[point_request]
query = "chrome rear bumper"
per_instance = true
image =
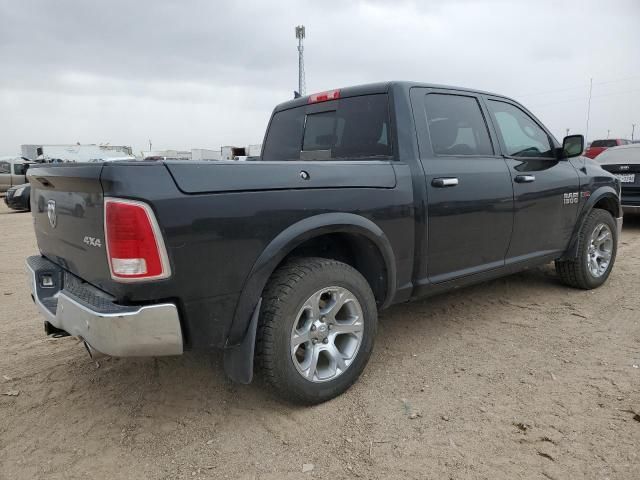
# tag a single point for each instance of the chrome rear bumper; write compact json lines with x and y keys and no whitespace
{"x":84,"y":311}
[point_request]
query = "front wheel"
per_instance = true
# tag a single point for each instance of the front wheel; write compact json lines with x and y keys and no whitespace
{"x":597,"y":248}
{"x":317,"y":328}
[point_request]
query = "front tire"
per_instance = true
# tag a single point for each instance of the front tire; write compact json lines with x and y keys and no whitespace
{"x":317,"y":328}
{"x":597,"y":248}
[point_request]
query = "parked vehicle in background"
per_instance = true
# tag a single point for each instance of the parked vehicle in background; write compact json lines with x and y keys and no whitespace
{"x":13,"y":171}
{"x":74,"y":152}
{"x":599,"y":146}
{"x":362,"y":198}
{"x":18,"y":197}
{"x":624,"y":162}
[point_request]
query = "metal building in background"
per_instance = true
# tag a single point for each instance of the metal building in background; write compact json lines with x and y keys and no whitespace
{"x":300,"y":34}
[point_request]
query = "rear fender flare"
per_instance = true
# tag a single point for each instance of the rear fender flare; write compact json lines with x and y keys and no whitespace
{"x":287,"y":241}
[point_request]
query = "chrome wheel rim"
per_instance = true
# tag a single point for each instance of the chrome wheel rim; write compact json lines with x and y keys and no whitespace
{"x":600,"y":250}
{"x":327,"y":334}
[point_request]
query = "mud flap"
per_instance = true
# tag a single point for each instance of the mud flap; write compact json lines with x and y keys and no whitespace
{"x":238,"y":359}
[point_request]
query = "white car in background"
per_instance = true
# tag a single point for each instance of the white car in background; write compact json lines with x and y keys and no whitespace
{"x":13,"y":171}
{"x":624,"y":162}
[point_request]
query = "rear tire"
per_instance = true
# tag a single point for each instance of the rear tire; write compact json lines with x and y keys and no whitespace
{"x":597,"y":248}
{"x":317,"y":328}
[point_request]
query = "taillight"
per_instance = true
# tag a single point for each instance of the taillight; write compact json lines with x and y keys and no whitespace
{"x":135,"y":249}
{"x":324,"y":96}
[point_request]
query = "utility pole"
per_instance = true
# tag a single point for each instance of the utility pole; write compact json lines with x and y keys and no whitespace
{"x":608,"y":132}
{"x":633,"y":128}
{"x":300,"y":34}
{"x":586,"y":135}
{"x":567,"y":134}
{"x":150,"y":149}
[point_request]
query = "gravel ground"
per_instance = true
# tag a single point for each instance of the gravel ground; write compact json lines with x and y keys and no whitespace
{"x":517,"y":378}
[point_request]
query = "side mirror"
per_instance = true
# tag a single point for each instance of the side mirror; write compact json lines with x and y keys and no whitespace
{"x":572,"y":146}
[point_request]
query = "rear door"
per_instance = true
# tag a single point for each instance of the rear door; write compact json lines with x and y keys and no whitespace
{"x":546,"y":190}
{"x":470,"y":197}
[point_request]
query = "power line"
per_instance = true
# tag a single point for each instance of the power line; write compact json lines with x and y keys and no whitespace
{"x":586,"y":135}
{"x":581,"y":99}
{"x":577,"y":87}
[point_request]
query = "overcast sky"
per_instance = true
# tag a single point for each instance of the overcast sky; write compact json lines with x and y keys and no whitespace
{"x":198,"y":74}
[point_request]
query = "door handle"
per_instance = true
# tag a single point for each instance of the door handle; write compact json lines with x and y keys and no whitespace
{"x":444,"y":182}
{"x":525,"y":178}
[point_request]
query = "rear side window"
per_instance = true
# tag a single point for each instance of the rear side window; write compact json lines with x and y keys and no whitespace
{"x":349,"y":128}
{"x":604,"y":143}
{"x":4,"y":167}
{"x":456,"y":125}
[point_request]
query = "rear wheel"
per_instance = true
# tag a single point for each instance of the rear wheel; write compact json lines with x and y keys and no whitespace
{"x":317,"y":329}
{"x":597,"y":248}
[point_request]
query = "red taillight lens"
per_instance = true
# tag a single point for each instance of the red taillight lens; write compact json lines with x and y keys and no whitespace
{"x":324,"y":96}
{"x":135,"y":249}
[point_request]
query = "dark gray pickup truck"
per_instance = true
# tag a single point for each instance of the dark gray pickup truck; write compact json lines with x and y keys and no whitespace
{"x":363,"y":197}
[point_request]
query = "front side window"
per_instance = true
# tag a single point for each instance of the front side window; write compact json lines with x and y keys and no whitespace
{"x":351,"y":128}
{"x":521,"y":136}
{"x":456,"y":125}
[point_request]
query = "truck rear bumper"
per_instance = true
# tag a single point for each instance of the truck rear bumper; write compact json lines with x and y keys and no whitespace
{"x":85,"y":311}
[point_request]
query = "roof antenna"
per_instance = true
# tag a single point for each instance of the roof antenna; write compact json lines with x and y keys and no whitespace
{"x":302,"y":87}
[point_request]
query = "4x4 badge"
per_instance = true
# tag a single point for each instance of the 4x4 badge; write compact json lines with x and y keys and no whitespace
{"x":51,"y":213}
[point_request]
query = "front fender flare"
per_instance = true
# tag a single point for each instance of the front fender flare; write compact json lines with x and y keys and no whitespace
{"x":595,"y":197}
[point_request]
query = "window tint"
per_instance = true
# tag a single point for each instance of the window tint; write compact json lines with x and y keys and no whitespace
{"x":4,"y":167}
{"x":456,"y":125}
{"x":604,"y":143}
{"x":356,"y":127}
{"x":320,"y":131}
{"x":522,"y":137}
{"x":285,"y":135}
{"x":20,"y":168}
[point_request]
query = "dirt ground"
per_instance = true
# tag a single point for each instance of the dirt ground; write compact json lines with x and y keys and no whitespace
{"x":517,"y":378}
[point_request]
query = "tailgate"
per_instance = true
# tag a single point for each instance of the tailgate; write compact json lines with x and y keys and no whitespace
{"x":67,"y":206}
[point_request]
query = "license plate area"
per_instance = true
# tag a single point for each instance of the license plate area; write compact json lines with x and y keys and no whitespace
{"x":626,"y":177}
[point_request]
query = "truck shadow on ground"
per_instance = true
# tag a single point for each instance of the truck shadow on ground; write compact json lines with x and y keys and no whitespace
{"x":13,"y":212}
{"x":195,"y":382}
{"x":631,"y":222}
{"x":160,"y":405}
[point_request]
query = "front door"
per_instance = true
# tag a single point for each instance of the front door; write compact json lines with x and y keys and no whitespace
{"x":469,"y":192}
{"x":546,"y":189}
